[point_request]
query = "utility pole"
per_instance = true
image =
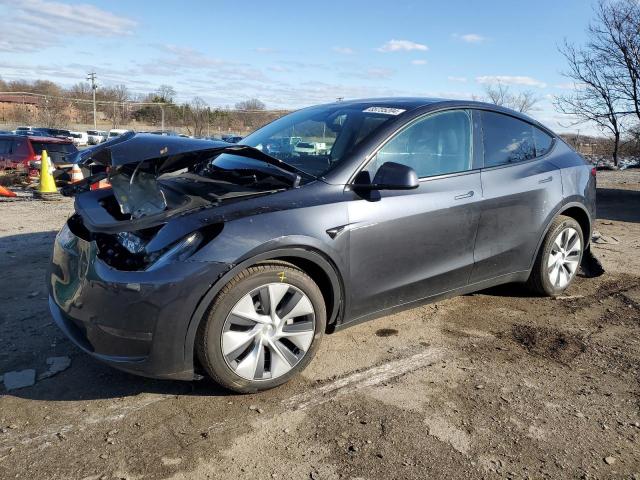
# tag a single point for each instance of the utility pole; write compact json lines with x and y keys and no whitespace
{"x":92,"y":76}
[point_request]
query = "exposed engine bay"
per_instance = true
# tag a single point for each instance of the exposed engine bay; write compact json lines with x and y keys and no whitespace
{"x":125,"y":221}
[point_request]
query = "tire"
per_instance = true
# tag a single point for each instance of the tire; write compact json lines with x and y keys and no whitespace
{"x":556,"y":266}
{"x":241,"y":311}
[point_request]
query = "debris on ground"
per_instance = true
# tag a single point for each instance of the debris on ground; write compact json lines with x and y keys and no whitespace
{"x":19,"y":379}
{"x":56,"y":365}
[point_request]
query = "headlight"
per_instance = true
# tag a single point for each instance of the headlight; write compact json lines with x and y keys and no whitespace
{"x":180,"y":251}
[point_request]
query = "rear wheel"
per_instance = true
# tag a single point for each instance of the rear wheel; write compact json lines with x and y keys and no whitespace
{"x":263,"y":327}
{"x":559,"y":257}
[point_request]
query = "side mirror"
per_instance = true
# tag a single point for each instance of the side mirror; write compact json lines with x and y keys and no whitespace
{"x":390,"y":176}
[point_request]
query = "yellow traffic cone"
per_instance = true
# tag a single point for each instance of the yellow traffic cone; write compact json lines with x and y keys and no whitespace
{"x":47,"y":189}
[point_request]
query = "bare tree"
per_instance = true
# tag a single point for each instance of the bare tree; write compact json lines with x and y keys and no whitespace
{"x":499,"y":94}
{"x":614,"y":39}
{"x":252,"y":104}
{"x":118,"y":112}
{"x":196,"y":117}
{"x":596,"y":99}
{"x":165,"y":94}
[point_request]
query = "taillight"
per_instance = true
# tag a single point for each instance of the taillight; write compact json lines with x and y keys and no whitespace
{"x":594,"y":170}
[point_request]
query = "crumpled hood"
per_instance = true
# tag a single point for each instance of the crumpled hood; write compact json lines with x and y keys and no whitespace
{"x":162,"y":154}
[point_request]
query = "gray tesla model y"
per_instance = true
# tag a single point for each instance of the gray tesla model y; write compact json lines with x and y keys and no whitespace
{"x":233,"y":260}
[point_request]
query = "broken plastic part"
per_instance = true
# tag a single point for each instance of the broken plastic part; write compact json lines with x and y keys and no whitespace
{"x":138,"y":195}
{"x":131,"y":242}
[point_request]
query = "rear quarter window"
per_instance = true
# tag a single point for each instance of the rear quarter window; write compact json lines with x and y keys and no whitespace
{"x":542,"y":140}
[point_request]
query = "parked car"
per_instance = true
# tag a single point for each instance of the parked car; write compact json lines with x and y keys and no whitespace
{"x":23,"y":131}
{"x":47,"y":132}
{"x":308,"y":148}
{"x":231,"y":138}
{"x":116,"y":132}
{"x":94,"y":137}
{"x":80,"y":139}
{"x":20,"y":152}
{"x":238,"y":263}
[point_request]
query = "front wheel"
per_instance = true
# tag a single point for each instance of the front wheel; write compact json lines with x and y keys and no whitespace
{"x":559,"y":257}
{"x":264,"y":326}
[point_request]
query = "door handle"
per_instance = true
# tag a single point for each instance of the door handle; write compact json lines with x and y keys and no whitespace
{"x":469,"y":194}
{"x":546,"y":180}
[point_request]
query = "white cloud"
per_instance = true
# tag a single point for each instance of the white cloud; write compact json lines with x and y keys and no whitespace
{"x":370,"y":73}
{"x":402,"y":46}
{"x":418,"y":62}
{"x":457,"y":79}
{"x":344,"y":50}
{"x":30,"y":25}
{"x":265,"y":50}
{"x":511,"y":80}
{"x":470,"y":37}
{"x":279,"y":69}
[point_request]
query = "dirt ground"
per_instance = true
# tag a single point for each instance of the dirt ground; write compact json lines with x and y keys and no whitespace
{"x":498,"y":384}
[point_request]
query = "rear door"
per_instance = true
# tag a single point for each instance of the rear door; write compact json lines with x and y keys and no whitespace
{"x":520,"y":189}
{"x":412,"y":244}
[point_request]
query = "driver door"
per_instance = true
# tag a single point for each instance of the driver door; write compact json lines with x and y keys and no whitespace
{"x":408,"y":245}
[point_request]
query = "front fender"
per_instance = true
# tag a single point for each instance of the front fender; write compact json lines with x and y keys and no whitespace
{"x":279,"y":248}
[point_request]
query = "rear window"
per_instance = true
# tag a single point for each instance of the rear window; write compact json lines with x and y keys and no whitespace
{"x":58,"y":152}
{"x":92,"y":132}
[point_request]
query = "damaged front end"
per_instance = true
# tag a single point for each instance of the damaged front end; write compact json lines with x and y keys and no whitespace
{"x":153,"y":180}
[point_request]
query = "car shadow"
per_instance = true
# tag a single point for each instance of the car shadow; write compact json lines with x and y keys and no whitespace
{"x":29,"y":336}
{"x":618,"y":205}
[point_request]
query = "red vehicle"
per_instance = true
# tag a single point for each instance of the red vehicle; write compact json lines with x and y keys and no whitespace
{"x":18,"y":152}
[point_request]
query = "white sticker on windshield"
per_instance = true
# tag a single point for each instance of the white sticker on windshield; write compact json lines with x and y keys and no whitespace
{"x":385,"y":110}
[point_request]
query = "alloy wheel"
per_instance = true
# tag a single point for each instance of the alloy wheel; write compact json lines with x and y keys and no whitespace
{"x":268,"y":331}
{"x":564,"y":258}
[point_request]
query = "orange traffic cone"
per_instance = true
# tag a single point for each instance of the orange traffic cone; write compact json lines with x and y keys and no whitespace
{"x":100,"y":184}
{"x":76,"y":174}
{"x":5,"y":192}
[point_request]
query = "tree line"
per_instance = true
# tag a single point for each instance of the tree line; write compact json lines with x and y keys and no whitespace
{"x":58,"y":106}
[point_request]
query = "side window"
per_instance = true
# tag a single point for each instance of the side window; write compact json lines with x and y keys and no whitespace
{"x":433,"y":145}
{"x":542,"y":141}
{"x":5,"y":147}
{"x":506,"y":140}
{"x":509,"y":140}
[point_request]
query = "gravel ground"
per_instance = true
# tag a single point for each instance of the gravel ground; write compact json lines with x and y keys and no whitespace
{"x":497,"y":384}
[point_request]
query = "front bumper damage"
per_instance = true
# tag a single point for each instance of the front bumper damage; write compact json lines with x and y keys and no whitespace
{"x":135,"y":321}
{"x":125,"y":278}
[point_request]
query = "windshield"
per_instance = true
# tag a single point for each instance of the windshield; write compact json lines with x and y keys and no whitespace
{"x":316,"y":139}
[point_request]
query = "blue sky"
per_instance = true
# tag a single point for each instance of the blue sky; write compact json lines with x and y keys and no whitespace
{"x":292,"y":54}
